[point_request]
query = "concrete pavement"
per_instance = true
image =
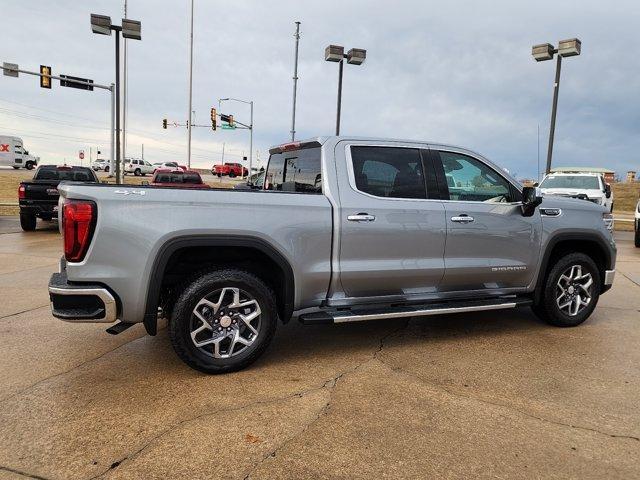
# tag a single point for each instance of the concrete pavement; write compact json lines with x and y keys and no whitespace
{"x":486,"y":395}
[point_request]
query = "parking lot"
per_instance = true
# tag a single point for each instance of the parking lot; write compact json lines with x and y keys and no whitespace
{"x":485,"y":395}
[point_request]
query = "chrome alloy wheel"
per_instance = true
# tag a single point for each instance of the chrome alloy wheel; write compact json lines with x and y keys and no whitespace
{"x":225,"y":322}
{"x":573,"y":290}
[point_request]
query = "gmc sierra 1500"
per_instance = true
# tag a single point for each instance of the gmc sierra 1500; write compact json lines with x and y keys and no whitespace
{"x":345,"y":229}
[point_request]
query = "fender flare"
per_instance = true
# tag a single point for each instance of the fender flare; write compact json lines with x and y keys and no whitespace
{"x":585,"y":235}
{"x":173,"y":245}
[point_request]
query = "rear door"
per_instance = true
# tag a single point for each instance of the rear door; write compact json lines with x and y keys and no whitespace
{"x":392,"y":227}
{"x":490,"y":245}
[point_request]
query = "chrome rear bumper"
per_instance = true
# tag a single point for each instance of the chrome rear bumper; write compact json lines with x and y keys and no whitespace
{"x":81,"y":303}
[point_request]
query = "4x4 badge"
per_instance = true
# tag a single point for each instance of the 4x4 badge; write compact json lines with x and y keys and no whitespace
{"x":130,"y":192}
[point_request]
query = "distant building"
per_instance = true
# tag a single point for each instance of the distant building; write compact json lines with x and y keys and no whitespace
{"x":609,"y":175}
{"x":631,"y":176}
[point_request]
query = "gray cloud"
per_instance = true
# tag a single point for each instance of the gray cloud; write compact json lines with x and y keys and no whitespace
{"x":454,"y":72}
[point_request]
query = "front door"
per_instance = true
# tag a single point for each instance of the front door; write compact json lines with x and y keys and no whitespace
{"x":392,"y":235}
{"x":490,"y":245}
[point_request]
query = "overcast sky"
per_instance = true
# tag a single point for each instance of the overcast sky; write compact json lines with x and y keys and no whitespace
{"x":451,"y":72}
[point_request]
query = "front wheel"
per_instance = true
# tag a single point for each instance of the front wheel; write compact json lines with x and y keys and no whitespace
{"x":223,"y":321}
{"x":137,"y":172}
{"x":571,"y":291}
{"x":232,"y":175}
{"x":28,"y":222}
{"x":106,"y":169}
{"x":29,"y":166}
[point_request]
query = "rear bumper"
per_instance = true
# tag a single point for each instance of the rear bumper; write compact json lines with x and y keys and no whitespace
{"x":80,"y":303}
{"x":38,"y":208}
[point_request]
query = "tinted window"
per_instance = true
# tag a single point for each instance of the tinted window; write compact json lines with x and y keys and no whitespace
{"x":567,"y":181}
{"x":296,"y":171}
{"x":469,"y":179}
{"x":77,"y":174}
{"x":389,"y":171}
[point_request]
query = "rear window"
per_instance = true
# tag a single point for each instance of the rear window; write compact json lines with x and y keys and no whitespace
{"x":75,"y":174}
{"x":568,"y":181}
{"x":178,"y":178}
{"x":295,"y":171}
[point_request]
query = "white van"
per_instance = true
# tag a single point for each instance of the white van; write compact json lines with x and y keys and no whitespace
{"x":13,"y":154}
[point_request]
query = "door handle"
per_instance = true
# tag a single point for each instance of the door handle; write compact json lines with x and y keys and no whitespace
{"x":464,"y":218}
{"x":361,"y":217}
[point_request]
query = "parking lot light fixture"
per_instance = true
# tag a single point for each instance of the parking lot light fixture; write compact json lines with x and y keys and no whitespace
{"x":335,"y":53}
{"x":101,"y":25}
{"x":546,"y":51}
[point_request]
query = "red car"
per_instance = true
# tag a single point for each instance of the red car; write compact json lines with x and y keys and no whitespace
{"x":164,"y":177}
{"x":231,"y":169}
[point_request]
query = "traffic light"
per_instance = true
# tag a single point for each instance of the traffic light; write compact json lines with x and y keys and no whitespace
{"x":214,"y":124}
{"x":164,"y":123}
{"x":45,"y":82}
{"x":231,"y":120}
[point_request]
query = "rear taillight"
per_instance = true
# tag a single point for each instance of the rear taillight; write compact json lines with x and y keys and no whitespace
{"x":78,"y":223}
{"x":21,"y":192}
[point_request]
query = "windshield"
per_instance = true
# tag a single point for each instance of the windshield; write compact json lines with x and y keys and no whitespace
{"x":582,"y":182}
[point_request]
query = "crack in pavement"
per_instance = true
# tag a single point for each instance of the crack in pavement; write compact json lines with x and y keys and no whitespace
{"x":24,"y":474}
{"x":331,"y":384}
{"x":398,"y":369}
{"x":43,"y":380}
{"x":630,"y":279}
{"x":24,"y":311}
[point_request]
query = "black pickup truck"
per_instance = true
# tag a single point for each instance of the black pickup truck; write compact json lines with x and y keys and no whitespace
{"x":39,"y":197}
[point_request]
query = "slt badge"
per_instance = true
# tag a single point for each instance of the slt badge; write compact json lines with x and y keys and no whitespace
{"x":130,"y":192}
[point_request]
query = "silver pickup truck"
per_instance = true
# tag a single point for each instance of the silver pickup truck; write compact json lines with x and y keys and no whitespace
{"x":343,"y":229}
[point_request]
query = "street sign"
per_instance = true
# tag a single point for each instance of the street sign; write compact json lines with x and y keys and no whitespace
{"x":10,"y":69}
{"x":81,"y":154}
{"x":45,"y":81}
{"x":227,"y":127}
{"x":68,"y":81}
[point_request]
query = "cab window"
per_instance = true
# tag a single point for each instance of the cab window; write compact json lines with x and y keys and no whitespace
{"x":470,"y":180}
{"x":389,"y":172}
{"x":295,"y":171}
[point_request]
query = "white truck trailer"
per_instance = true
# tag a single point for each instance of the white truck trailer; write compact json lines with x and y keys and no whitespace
{"x":13,"y":154}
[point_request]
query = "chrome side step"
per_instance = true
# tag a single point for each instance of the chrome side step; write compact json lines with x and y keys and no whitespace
{"x":377,"y":313}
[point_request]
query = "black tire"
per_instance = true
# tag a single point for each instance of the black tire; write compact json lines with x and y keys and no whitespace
{"x":137,"y":172}
{"x":548,"y":310}
{"x":637,"y":236}
{"x":219,"y":175}
{"x":28,"y":222}
{"x":29,"y":166}
{"x":232,"y":175}
{"x":106,"y":169}
{"x":15,"y":167}
{"x":204,"y":284}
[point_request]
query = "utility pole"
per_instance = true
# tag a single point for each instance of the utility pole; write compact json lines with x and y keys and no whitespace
{"x":295,"y":85}
{"x":143,"y":151}
{"x":124,"y":93}
{"x":190,"y":90}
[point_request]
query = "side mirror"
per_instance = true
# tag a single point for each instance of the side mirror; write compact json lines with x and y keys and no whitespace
{"x":145,"y":182}
{"x":531,"y":198}
{"x":607,"y":190}
{"x":536,"y":184}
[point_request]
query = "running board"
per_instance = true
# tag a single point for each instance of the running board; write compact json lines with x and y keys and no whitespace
{"x":362,"y":314}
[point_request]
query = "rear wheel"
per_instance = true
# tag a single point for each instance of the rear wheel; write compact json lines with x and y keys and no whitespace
{"x":15,"y":167}
{"x":28,"y":222}
{"x":637,"y":236}
{"x":137,"y":172}
{"x":223,"y":321}
{"x":571,"y":291}
{"x":232,"y":175}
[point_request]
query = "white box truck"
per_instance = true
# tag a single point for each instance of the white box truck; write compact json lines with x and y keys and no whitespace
{"x":13,"y":154}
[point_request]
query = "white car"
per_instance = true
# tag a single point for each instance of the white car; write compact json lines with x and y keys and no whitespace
{"x":636,"y":224}
{"x":138,"y":167}
{"x":100,"y":164}
{"x":167,"y":165}
{"x":588,"y":186}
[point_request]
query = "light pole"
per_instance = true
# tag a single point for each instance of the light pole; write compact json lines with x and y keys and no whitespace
{"x":249,"y":102}
{"x":101,"y":24}
{"x":335,"y":53}
{"x":189,"y":122}
{"x":295,"y":83}
{"x":546,"y":51}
